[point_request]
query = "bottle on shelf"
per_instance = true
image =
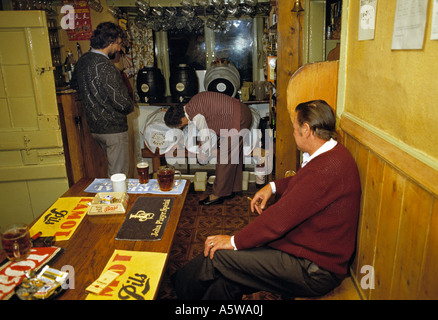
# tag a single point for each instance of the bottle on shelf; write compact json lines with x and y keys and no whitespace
{"x":260,"y":172}
{"x":273,"y":116}
{"x":78,"y":47}
{"x":272,"y":59}
{"x":69,"y":66}
{"x":67,"y":71}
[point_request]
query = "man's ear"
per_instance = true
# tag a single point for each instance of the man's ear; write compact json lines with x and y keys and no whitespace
{"x":184,"y":121}
{"x":305,"y":129}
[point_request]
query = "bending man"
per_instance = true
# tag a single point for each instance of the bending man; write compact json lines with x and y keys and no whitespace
{"x":220,"y":113}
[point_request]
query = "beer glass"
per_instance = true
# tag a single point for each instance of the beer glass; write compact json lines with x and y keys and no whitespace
{"x":143,"y":172}
{"x":166,"y":177}
{"x":16,"y":241}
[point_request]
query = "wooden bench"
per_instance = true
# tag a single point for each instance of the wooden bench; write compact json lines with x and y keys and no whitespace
{"x":345,"y":291}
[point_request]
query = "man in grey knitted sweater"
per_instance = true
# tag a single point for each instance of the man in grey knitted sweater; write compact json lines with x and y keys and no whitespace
{"x":104,"y":96}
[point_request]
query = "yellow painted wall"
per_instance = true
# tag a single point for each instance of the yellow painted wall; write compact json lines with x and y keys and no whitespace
{"x":392,"y":93}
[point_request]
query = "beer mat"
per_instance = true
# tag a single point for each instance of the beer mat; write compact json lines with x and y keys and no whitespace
{"x":63,"y":218}
{"x":140,"y":275}
{"x":147,"y":219}
{"x":12,"y":273}
{"x":104,"y":185}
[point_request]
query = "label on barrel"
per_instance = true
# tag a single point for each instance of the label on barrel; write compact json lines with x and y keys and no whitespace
{"x":221,"y":87}
{"x":144,"y":87}
{"x":158,"y":138}
{"x":180,"y":86}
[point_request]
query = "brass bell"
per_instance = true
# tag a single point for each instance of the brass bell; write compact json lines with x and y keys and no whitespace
{"x":297,"y":6}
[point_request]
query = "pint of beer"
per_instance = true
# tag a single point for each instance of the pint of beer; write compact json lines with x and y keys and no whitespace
{"x":16,"y":241}
{"x":166,"y":177}
{"x":143,"y":172}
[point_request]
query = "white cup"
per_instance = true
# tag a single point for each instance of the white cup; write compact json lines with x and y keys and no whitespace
{"x":119,"y":182}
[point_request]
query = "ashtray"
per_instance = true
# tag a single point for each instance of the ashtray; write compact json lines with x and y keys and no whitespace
{"x":109,"y":203}
{"x":48,"y":284}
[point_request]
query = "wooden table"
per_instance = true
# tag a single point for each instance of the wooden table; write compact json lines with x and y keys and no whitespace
{"x":93,"y":243}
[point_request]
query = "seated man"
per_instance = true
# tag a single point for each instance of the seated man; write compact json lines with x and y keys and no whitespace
{"x":301,"y":245}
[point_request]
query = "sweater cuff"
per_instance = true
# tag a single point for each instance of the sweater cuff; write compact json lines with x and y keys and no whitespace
{"x":274,"y":189}
{"x":232,"y":243}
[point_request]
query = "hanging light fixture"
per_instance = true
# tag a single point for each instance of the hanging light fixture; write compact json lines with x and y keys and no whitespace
{"x":297,"y":6}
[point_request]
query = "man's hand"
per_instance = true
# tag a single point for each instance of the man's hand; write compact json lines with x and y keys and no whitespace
{"x":218,"y":242}
{"x":260,"y":198}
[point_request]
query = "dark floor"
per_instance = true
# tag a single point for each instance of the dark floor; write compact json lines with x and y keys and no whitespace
{"x":196,"y":223}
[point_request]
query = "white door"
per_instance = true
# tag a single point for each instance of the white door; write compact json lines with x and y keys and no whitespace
{"x":32,"y":163}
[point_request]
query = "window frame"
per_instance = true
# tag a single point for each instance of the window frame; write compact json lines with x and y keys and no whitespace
{"x":258,"y":55}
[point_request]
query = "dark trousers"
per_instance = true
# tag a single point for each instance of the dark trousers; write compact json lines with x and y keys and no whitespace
{"x":229,"y":174}
{"x":116,"y":148}
{"x":230,"y":274}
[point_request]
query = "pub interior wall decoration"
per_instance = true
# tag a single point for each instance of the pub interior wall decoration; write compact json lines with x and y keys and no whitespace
{"x":142,"y":48}
{"x":367,"y":20}
{"x":83,"y":29}
{"x":434,"y":29}
{"x":409,"y":25}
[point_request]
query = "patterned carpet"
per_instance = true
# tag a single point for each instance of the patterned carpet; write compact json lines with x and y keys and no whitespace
{"x":196,"y":223}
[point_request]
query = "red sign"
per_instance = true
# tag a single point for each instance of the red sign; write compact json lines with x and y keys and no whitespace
{"x":82,"y":21}
{"x":11,"y":273}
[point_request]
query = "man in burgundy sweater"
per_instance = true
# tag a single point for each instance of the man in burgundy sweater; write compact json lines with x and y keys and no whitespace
{"x":301,"y":245}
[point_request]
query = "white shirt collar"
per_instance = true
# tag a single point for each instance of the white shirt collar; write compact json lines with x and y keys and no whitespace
{"x":324,"y":148}
{"x":185,"y":113}
{"x":100,"y":52}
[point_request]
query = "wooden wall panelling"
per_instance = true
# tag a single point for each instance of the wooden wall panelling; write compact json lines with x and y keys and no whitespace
{"x":398,"y":225}
{"x":371,"y":196}
{"x":360,"y":154}
{"x":429,"y":282}
{"x":415,"y":219}
{"x":387,"y":234}
{"x":84,"y":157}
{"x":410,"y":166}
{"x":69,"y":113}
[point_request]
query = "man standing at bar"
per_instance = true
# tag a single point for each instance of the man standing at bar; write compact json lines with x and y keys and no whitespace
{"x":104,"y":96}
{"x":300,"y":246}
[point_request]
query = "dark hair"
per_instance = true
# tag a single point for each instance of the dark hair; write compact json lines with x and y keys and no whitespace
{"x":173,"y":116}
{"x":319,"y":116}
{"x":105,"y":34}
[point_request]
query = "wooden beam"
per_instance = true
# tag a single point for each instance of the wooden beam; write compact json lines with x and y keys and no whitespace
{"x":289,"y":32}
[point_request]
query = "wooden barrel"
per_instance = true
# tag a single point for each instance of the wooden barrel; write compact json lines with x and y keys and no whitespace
{"x":150,"y":85}
{"x":223,"y":78}
{"x":184,"y":83}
